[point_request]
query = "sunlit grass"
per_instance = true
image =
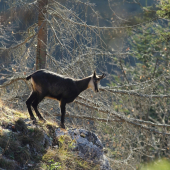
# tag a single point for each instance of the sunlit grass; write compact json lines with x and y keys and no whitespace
{"x":162,"y":164}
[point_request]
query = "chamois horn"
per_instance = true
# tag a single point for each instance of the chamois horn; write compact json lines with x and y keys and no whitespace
{"x":102,"y":76}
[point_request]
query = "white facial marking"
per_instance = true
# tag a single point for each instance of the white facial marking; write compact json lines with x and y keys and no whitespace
{"x":91,"y":85}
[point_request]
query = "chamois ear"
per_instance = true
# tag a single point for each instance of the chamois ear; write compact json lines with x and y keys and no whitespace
{"x":94,"y":74}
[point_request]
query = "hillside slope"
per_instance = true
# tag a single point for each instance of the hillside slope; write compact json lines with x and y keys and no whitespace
{"x":24,"y":145}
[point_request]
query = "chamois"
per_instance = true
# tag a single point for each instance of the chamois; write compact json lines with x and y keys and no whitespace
{"x":47,"y":84}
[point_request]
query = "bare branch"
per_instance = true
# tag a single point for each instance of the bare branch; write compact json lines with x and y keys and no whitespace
{"x":125,"y":92}
{"x":12,"y":80}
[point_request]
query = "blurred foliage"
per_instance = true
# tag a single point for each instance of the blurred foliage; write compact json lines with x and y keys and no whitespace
{"x":162,"y":164}
{"x":164,"y":11}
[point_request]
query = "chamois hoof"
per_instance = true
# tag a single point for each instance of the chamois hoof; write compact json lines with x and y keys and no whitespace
{"x":33,"y":118}
{"x":42,"y":119}
{"x":34,"y":121}
{"x":62,"y":126}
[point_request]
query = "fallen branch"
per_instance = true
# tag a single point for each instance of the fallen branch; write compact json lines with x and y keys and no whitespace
{"x":121,"y":118}
{"x":89,"y":118}
{"x":131,"y":119}
{"x":12,"y":80}
{"x":125,"y":92}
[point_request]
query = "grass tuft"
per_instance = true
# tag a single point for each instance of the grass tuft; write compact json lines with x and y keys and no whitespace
{"x":20,"y":125}
{"x":7,"y":164}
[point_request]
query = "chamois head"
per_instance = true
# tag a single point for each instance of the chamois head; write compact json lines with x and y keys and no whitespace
{"x":94,"y":82}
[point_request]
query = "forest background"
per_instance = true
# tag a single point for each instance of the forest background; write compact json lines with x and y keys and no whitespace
{"x":126,"y":39}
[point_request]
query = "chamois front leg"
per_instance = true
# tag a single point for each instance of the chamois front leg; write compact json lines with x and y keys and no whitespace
{"x":63,"y":110}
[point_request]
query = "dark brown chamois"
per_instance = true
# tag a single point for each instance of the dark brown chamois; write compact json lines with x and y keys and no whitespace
{"x":47,"y":84}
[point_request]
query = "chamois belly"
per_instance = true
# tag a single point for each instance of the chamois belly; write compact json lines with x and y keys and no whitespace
{"x":58,"y":98}
{"x":55,"y":97}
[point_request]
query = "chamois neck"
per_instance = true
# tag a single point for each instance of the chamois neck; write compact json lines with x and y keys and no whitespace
{"x":82,"y":84}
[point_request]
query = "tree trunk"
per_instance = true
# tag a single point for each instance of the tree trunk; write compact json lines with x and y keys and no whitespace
{"x":42,"y":35}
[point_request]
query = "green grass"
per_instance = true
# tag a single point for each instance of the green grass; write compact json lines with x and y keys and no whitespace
{"x":162,"y":164}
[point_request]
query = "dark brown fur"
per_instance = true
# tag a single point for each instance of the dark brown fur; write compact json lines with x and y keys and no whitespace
{"x":51,"y":85}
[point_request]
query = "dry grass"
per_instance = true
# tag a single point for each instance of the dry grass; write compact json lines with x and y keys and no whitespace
{"x":22,"y":145}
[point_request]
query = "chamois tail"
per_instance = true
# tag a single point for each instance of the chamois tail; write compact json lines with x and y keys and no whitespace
{"x":27,"y":78}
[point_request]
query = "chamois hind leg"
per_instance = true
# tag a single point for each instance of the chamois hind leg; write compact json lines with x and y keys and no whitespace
{"x":29,"y":101}
{"x":63,"y":110}
{"x":35,"y":104}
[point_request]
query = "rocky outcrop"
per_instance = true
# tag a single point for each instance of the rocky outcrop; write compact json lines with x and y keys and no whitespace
{"x":88,"y":146}
{"x":25,"y":145}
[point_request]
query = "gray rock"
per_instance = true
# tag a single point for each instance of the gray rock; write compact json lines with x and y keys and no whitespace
{"x":88,"y":145}
{"x":58,"y":132}
{"x":105,"y":164}
{"x":47,"y":141}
